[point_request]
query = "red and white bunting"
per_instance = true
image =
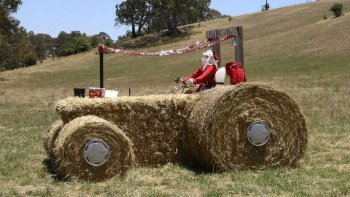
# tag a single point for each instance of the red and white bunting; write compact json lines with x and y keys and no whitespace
{"x":193,"y":47}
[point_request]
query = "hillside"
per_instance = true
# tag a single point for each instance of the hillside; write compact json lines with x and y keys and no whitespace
{"x":270,"y":38}
{"x":293,"y":49}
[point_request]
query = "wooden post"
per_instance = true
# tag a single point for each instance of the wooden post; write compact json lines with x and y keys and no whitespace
{"x":101,"y":49}
{"x":239,"y":55}
{"x":216,"y":49}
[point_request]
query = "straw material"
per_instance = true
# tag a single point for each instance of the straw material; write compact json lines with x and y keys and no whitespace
{"x":208,"y":130}
{"x":51,"y":136}
{"x":71,"y":141}
{"x":155,"y":124}
{"x":217,"y":128}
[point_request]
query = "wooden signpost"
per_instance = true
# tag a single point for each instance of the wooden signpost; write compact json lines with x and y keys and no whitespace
{"x":237,"y":33}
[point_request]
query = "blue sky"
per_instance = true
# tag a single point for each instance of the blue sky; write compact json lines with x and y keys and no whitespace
{"x":95,"y":16}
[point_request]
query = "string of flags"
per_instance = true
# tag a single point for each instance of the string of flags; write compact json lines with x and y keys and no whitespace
{"x":193,"y":47}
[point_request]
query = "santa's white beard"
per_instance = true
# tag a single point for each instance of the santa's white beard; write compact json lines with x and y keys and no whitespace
{"x":204,"y":62}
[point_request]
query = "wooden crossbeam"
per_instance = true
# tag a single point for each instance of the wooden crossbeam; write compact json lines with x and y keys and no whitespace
{"x":220,"y":33}
{"x":236,"y":32}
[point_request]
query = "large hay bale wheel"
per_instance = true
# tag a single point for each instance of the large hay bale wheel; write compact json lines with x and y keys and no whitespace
{"x":245,"y":127}
{"x":49,"y":140}
{"x":91,"y":148}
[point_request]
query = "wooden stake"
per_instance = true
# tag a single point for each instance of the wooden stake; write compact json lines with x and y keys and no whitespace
{"x":239,"y":53}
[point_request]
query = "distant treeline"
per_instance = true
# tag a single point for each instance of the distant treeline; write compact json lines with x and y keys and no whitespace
{"x":19,"y":48}
{"x":22,"y":49}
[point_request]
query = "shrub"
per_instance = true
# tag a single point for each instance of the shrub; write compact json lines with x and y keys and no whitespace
{"x":68,"y":51}
{"x":30,"y":58}
{"x":82,"y":44}
{"x":325,"y":17}
{"x":337,"y":9}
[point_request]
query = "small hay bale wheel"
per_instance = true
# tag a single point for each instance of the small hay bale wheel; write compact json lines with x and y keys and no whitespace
{"x":49,"y":140}
{"x":246,"y":126}
{"x":93,"y":149}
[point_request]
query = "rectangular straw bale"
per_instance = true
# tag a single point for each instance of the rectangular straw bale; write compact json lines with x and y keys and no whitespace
{"x":155,"y":124}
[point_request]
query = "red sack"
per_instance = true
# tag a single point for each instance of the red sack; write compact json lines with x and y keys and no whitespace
{"x":236,"y":72}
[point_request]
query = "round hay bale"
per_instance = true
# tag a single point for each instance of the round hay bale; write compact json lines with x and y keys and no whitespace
{"x":219,"y":122}
{"x":51,"y":135}
{"x":93,"y":149}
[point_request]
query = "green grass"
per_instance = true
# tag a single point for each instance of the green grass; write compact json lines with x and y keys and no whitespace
{"x":319,"y":80}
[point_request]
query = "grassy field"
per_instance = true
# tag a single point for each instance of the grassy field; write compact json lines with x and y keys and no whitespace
{"x":293,"y":49}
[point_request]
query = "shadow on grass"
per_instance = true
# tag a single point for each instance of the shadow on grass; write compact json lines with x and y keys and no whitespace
{"x":4,"y":79}
{"x":201,"y":170}
{"x":51,"y":167}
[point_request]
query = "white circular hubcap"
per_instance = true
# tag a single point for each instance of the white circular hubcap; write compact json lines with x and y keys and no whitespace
{"x":96,"y":152}
{"x":258,"y":133}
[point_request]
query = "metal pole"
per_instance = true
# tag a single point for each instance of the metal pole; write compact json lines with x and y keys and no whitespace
{"x":101,"y":70}
{"x":101,"y":49}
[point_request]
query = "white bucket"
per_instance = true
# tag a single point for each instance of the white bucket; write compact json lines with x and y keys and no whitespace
{"x":111,"y":94}
{"x":220,"y":76}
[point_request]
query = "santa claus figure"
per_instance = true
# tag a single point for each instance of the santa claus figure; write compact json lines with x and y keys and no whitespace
{"x":204,"y":77}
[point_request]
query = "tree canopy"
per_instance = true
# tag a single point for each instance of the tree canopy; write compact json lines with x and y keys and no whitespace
{"x":156,"y":15}
{"x":135,"y":13}
{"x":8,"y":24}
{"x":11,"y":34}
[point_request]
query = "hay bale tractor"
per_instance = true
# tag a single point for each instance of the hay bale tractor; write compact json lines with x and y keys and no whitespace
{"x":247,"y":126}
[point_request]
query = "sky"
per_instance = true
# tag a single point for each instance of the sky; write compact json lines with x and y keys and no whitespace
{"x":95,"y":16}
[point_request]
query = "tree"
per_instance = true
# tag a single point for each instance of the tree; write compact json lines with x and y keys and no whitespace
{"x":8,"y":24}
{"x":72,"y":43}
{"x":169,"y":11}
{"x":156,"y":15}
{"x":135,"y":13}
{"x":82,"y":44}
{"x":10,"y":35}
{"x":215,"y":14}
{"x":170,"y":14}
{"x":198,"y":10}
{"x":102,"y":38}
{"x":42,"y":44}
{"x":13,"y":50}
